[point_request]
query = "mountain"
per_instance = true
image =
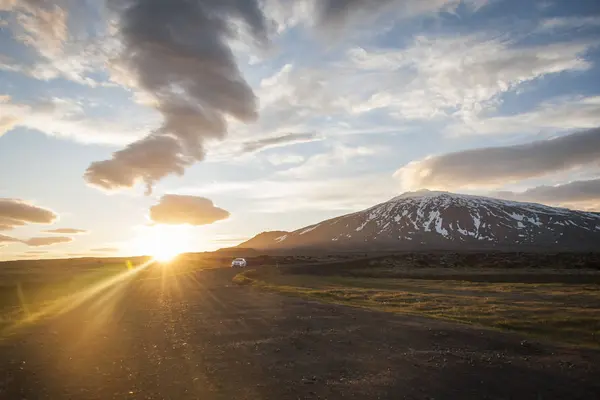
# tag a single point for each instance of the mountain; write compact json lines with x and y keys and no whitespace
{"x":442,"y":220}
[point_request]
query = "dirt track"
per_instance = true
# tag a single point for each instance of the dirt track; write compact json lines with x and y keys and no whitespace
{"x":206,"y":338}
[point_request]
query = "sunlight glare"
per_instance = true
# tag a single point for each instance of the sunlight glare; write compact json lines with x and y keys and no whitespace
{"x":163,"y":243}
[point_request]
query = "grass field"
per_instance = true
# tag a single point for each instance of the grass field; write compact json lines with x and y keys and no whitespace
{"x":27,"y":287}
{"x":30,"y":288}
{"x":566,"y":312}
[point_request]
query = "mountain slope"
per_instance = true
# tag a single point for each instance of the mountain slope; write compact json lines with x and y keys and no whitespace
{"x":442,"y":220}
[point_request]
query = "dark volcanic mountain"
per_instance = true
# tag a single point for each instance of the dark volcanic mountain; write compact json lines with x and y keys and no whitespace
{"x":441,"y":220}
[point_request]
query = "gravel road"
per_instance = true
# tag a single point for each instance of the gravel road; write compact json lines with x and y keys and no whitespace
{"x":202,"y":337}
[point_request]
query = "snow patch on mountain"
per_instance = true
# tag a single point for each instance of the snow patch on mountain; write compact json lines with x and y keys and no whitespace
{"x":309,"y":229}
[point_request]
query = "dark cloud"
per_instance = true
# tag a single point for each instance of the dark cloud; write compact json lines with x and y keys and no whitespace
{"x":178,"y":210}
{"x":333,"y":14}
{"x":148,"y":160}
{"x":105,"y":250}
{"x":499,"y":165}
{"x":66,"y":231}
{"x":289,"y":138}
{"x":14,"y":212}
{"x":178,"y":52}
{"x":47,"y":241}
{"x":583,"y":193}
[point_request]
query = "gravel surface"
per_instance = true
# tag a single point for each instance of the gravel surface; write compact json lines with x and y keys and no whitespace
{"x":202,"y":337}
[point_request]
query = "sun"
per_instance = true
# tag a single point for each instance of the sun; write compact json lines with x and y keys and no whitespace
{"x":163,"y":243}
{"x":165,"y":254}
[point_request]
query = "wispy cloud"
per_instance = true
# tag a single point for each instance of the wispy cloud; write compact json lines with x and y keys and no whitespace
{"x":557,"y":115}
{"x":322,"y":164}
{"x":68,"y":118}
{"x":284,"y":159}
{"x":321,"y":194}
{"x":105,"y":250}
{"x":46,"y":27}
{"x":459,"y":76}
{"x":563,"y":23}
{"x":41,"y":25}
{"x":333,"y":195}
{"x":278,"y":141}
{"x":7,"y":239}
{"x":47,"y":241}
{"x":66,"y":231}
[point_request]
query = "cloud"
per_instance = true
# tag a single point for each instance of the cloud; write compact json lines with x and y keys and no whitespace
{"x":276,"y":141}
{"x":105,"y":250}
{"x":301,"y":99}
{"x":7,"y":239}
{"x":47,"y":241}
{"x":15,"y":212}
{"x":552,"y":116}
{"x":295,"y":99}
{"x":196,"y":84}
{"x":180,"y":209}
{"x":500,"y":165}
{"x":293,"y":95}
{"x":69,"y":44}
{"x":336,"y":14}
{"x":149,"y":159}
{"x":68,"y":118}
{"x":283,"y":159}
{"x":319,"y":165}
{"x":323,"y":195}
{"x":41,"y":25}
{"x":66,"y":231}
{"x":36,"y":252}
{"x":457,"y":76}
{"x":565,"y":23}
{"x":288,"y":14}
{"x":7,"y":224}
{"x":577,"y":194}
{"x":8,"y":119}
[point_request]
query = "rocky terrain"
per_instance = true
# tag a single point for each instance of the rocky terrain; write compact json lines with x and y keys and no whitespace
{"x":203,"y":337}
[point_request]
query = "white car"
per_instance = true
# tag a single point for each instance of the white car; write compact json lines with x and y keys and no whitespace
{"x":238,"y":262}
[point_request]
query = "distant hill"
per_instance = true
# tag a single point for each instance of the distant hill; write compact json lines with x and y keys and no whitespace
{"x":442,"y":220}
{"x":237,"y":252}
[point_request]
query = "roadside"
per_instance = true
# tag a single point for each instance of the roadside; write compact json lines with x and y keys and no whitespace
{"x":564,"y":312}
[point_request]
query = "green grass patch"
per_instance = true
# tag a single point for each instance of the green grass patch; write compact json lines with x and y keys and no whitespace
{"x":568,"y":313}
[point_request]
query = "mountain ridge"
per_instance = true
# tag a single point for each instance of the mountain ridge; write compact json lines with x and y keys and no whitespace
{"x":443,"y":220}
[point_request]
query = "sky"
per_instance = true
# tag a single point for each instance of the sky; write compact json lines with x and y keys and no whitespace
{"x":127,"y":125}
